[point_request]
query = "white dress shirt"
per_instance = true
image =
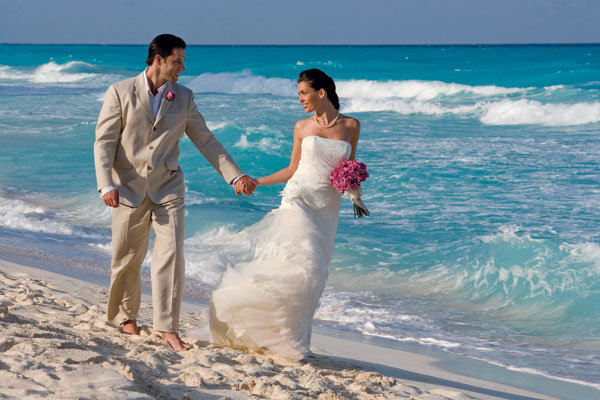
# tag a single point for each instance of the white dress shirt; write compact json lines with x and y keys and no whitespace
{"x":155,"y":100}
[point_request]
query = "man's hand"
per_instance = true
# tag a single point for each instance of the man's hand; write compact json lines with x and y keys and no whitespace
{"x":245,"y":185}
{"x":111,"y":198}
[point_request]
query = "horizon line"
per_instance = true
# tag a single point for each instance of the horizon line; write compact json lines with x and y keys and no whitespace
{"x":315,"y":45}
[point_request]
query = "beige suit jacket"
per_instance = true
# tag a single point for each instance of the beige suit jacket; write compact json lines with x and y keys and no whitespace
{"x":139,"y":154}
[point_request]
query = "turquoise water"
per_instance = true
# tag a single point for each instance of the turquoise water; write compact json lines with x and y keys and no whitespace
{"x":484,"y":188}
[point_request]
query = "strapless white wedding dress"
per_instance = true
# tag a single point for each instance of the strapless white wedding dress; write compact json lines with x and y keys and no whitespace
{"x":267,"y":304}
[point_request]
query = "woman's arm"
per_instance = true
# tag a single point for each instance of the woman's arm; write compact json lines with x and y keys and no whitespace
{"x":354,"y":135}
{"x":283,"y":175}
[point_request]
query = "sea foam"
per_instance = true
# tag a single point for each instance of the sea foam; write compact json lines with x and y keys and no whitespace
{"x":245,"y":82}
{"x":519,"y":276}
{"x":407,"y":107}
{"x":504,"y":112}
{"x":10,"y":73}
{"x":72,"y":71}
{"x":53,"y":72}
{"x":242,"y":83}
{"x":76,"y":217}
{"x":523,"y":111}
{"x":415,"y":89}
{"x":487,"y":103}
{"x":209,"y":254}
{"x":18,"y":214}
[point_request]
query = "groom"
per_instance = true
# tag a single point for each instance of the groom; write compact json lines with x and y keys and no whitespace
{"x":136,"y":157}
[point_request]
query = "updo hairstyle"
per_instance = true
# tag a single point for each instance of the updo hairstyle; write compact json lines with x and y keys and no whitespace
{"x":318,"y":80}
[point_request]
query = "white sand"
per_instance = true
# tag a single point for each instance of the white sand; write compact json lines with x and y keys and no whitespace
{"x":55,"y":343}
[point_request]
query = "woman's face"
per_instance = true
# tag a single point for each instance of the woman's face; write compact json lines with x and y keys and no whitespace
{"x":308,"y":97}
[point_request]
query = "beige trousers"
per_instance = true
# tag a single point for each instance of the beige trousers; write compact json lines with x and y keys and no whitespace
{"x":130,"y":235}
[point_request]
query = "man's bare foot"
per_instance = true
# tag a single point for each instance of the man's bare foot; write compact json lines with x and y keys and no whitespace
{"x":130,"y":327}
{"x":175,"y":341}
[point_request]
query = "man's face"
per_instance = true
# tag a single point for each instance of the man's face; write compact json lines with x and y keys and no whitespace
{"x":171,"y":67}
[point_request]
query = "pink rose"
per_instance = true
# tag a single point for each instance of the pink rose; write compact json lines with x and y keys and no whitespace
{"x":170,"y":96}
{"x":348,"y":175}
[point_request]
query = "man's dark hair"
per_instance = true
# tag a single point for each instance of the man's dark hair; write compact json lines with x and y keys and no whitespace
{"x":163,"y":45}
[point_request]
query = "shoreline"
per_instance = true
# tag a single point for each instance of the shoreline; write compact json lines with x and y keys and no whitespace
{"x":380,"y":367}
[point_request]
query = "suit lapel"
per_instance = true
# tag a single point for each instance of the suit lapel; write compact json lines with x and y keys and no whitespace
{"x":164,"y":104}
{"x":142,"y":94}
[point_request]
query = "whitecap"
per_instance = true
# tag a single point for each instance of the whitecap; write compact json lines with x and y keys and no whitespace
{"x":415,"y":89}
{"x":554,"y":87}
{"x":242,"y":83}
{"x":18,"y":214}
{"x":9,"y":73}
{"x":245,"y":82}
{"x":213,"y":126}
{"x":71,"y":72}
{"x":587,"y":252}
{"x":415,"y":97}
{"x":80,"y":216}
{"x":405,"y":107}
{"x":531,"y":112}
{"x":62,"y":73}
{"x":504,"y":112}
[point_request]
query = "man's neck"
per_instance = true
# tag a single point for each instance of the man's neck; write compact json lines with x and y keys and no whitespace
{"x":154,"y":79}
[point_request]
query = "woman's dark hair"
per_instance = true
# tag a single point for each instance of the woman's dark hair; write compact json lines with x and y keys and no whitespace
{"x":317,"y":80}
{"x":163,"y":45}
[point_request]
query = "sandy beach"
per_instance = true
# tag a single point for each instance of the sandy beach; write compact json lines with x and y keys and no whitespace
{"x":477,"y":273}
{"x":55,"y":343}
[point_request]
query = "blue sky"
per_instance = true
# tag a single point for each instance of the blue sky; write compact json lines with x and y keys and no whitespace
{"x":301,"y":22}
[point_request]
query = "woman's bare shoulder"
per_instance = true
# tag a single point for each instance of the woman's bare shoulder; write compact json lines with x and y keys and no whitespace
{"x":353,"y":126}
{"x":301,"y":126}
{"x":351,"y":123}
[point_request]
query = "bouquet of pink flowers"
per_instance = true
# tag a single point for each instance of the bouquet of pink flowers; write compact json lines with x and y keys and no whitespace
{"x":346,"y":178}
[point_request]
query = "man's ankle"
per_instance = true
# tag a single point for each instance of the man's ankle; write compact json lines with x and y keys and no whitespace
{"x":130,"y":327}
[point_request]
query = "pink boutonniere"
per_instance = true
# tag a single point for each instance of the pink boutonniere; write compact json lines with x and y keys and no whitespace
{"x":170,"y":96}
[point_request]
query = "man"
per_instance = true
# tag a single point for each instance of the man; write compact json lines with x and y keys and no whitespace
{"x":136,"y":157}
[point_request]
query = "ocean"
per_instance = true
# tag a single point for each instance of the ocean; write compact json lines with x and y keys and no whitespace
{"x":484,"y":236}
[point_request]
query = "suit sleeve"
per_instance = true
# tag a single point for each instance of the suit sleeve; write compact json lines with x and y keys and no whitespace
{"x":108,"y":133}
{"x":208,"y":145}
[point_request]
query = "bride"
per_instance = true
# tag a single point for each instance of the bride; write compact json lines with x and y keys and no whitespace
{"x":266,"y":305}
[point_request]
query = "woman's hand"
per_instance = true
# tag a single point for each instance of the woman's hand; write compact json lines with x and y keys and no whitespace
{"x":245,"y":185}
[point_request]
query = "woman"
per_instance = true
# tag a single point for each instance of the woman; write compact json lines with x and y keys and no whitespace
{"x":267,"y":304}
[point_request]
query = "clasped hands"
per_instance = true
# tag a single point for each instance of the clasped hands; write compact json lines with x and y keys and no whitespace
{"x":245,"y":185}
